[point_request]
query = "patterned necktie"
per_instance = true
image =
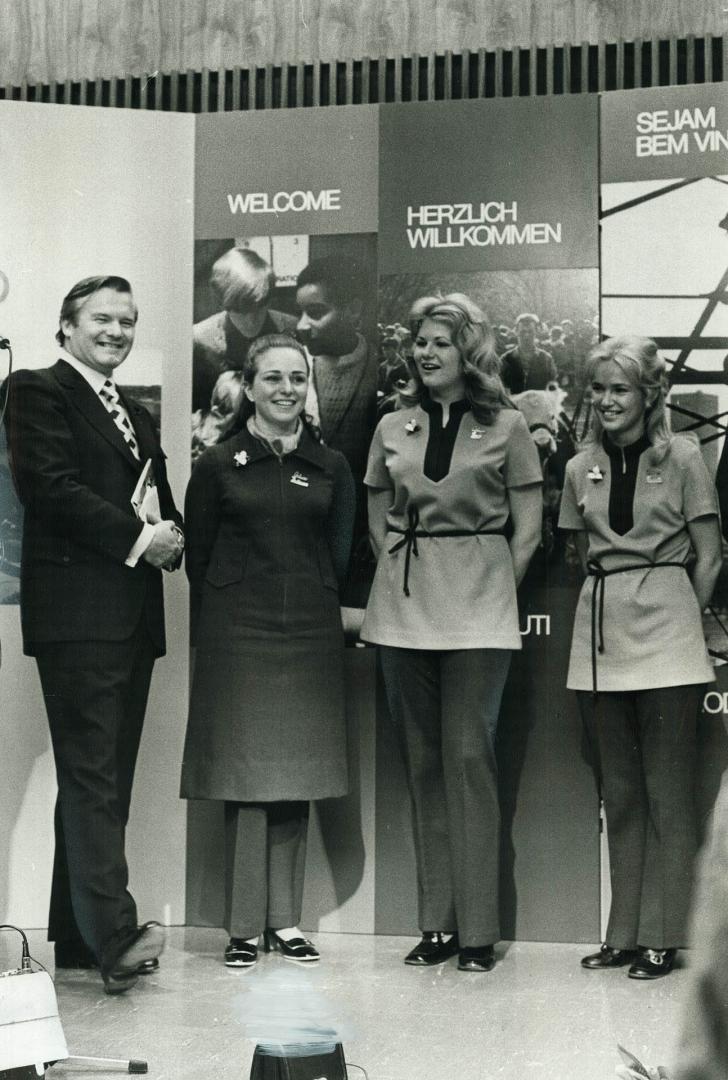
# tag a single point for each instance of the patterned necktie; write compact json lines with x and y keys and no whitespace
{"x":110,"y":397}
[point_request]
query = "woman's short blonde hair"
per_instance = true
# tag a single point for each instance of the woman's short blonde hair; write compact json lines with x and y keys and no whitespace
{"x":242,"y":280}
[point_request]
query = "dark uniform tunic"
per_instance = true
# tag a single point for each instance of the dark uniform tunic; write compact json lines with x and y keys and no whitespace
{"x":267,"y":539}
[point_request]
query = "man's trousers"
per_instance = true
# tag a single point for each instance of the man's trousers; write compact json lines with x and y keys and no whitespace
{"x":95,"y":696}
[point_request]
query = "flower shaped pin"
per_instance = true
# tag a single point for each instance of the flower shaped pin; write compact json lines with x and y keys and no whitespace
{"x":411,"y":427}
{"x":595,"y":474}
{"x":241,"y":458}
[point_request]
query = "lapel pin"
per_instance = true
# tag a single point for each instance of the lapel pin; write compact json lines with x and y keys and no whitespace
{"x":654,"y":477}
{"x":241,"y":458}
{"x":476,"y":433}
{"x":411,"y":427}
{"x":300,"y":479}
{"x":595,"y":474}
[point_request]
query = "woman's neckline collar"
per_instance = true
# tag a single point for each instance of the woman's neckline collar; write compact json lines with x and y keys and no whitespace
{"x":634,"y":449}
{"x":457,"y":408}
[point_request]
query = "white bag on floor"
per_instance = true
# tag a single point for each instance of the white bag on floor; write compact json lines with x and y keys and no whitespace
{"x":30,"y":1027}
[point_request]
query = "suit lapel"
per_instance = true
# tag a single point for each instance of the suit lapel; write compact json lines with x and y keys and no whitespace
{"x":92,"y":408}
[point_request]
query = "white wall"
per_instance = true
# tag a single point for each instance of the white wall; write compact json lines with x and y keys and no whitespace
{"x":93,"y":191}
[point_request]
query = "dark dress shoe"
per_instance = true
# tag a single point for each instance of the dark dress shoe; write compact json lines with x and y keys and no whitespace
{"x":239,"y":953}
{"x":127,"y":952}
{"x":607,"y":957}
{"x":477,"y":958}
{"x":297,"y":948}
{"x":431,"y":949}
{"x":148,"y":967}
{"x":74,"y":955}
{"x":652,"y":963}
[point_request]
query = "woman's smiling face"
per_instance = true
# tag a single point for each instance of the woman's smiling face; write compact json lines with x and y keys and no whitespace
{"x":438,"y":360}
{"x":279,"y":389}
{"x":619,"y":402}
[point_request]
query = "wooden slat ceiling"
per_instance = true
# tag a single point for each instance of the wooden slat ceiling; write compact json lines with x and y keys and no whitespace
{"x":553,"y":69}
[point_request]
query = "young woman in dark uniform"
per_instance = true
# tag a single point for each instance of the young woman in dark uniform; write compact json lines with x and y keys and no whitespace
{"x":644,"y":512}
{"x":446,"y":472}
{"x":269,"y":520}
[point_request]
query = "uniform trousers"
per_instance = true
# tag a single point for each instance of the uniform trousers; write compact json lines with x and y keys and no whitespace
{"x":95,"y":696}
{"x":445,"y":704}
{"x":265,"y":860}
{"x":647,"y":747}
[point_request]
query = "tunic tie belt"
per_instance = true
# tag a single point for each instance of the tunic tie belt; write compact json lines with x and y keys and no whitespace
{"x":412,"y":534}
{"x":595,"y":569}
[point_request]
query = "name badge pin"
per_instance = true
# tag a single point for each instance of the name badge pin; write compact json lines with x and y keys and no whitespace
{"x":654,"y":478}
{"x":300,"y":479}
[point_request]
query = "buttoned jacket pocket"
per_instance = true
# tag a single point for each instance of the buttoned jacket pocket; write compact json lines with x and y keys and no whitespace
{"x":227,"y":565}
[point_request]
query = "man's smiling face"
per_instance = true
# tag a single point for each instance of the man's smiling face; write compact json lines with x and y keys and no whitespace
{"x":101,"y":332}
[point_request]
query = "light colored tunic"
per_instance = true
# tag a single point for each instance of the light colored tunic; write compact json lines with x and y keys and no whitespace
{"x":462,"y":589}
{"x":653,"y":633}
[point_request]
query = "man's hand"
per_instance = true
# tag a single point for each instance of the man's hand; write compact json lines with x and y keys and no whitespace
{"x":166,"y":545}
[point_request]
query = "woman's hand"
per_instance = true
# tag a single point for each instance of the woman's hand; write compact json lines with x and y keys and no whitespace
{"x":526,"y":510}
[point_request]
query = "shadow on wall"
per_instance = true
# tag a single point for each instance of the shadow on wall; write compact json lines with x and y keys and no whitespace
{"x":26,"y":789}
{"x":549,"y":806}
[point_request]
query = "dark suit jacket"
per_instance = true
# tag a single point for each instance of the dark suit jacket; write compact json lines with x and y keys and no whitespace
{"x":535,"y":375}
{"x":75,"y":476}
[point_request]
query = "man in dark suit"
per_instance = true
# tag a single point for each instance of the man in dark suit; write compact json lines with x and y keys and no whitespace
{"x":526,"y":366}
{"x":343,"y":391}
{"x":92,"y":612}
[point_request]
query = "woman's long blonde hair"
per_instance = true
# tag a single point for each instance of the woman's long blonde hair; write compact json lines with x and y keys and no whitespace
{"x":473,"y":337}
{"x":644,"y":367}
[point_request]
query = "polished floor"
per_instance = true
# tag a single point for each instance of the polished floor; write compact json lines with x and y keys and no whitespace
{"x":536,"y":1016}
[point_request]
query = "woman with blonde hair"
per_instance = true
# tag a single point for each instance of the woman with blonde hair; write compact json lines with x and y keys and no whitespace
{"x":644,"y":513}
{"x":447,"y":472}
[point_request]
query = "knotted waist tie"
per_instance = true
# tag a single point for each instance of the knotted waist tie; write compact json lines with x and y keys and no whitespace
{"x":595,"y":569}
{"x":412,"y":534}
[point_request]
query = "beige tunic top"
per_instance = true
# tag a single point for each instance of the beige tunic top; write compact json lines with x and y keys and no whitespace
{"x":652,"y":626}
{"x":462,"y":592}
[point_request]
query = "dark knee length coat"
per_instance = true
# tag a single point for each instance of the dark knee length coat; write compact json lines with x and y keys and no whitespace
{"x":268,"y":540}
